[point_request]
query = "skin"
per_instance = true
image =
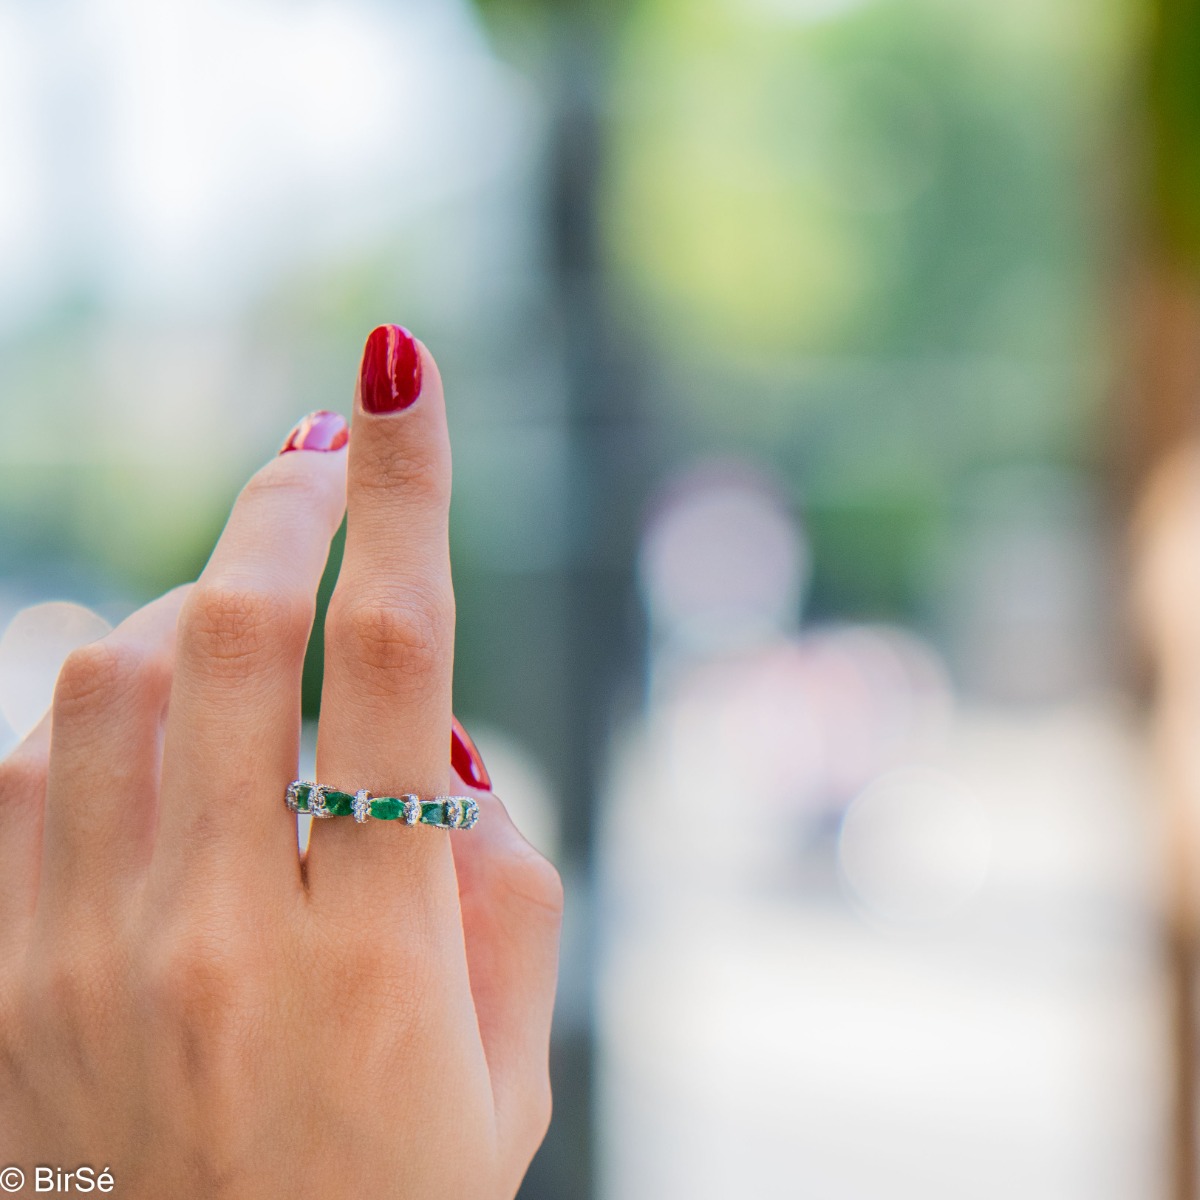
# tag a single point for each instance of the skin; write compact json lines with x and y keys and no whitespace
{"x":185,"y":1002}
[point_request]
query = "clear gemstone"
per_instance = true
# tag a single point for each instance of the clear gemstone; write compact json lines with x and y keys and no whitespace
{"x":362,"y":805}
{"x":316,"y":801}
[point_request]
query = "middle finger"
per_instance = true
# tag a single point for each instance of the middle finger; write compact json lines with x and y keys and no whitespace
{"x":389,"y":636}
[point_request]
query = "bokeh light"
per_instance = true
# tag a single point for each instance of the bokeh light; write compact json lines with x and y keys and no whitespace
{"x":32,"y":649}
{"x":915,"y":847}
{"x":723,"y":562}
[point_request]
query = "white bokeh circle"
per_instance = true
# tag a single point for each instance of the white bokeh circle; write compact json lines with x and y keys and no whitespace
{"x":32,"y":650}
{"x":915,"y":847}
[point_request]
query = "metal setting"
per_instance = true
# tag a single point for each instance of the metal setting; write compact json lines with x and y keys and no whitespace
{"x":316,"y":800}
{"x":292,"y":802}
{"x":446,"y":812}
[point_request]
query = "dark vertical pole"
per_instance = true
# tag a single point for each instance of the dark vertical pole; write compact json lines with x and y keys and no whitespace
{"x":608,"y":459}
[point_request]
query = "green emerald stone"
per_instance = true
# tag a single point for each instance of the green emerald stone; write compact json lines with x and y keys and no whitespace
{"x":386,"y":808}
{"x":339,"y":804}
{"x":302,"y":795}
{"x":432,"y":813}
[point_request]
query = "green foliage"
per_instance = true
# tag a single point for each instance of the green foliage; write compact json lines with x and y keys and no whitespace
{"x":869,"y":240}
{"x":1174,"y":94}
{"x":881,"y":182}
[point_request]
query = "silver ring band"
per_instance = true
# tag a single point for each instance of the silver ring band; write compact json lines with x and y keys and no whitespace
{"x":321,"y":801}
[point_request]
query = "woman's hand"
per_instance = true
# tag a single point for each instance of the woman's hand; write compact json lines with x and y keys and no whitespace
{"x":181,"y":1000}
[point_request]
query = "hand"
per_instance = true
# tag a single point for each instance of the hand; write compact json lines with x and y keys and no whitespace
{"x":185,"y":1002}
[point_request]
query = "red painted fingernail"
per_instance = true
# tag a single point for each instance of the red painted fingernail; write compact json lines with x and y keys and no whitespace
{"x":466,"y":760}
{"x":318,"y":431}
{"x":391,"y":370}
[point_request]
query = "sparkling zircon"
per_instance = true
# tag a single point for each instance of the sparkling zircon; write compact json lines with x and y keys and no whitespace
{"x":362,"y":805}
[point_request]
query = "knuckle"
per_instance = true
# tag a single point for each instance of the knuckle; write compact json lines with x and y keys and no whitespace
{"x":195,"y":978}
{"x":386,"y":976}
{"x":535,"y":880}
{"x":280,"y":485}
{"x":373,"y":968}
{"x":231,"y":625}
{"x":66,"y":989}
{"x":202,"y":991}
{"x":395,"y":636}
{"x":94,"y":676}
{"x":417,"y":471}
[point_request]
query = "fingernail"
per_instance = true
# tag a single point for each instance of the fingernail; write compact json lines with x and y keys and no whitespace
{"x":318,"y":431}
{"x":466,"y":760}
{"x":391,"y":370}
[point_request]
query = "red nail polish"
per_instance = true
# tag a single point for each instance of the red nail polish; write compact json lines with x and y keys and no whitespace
{"x":466,"y":760}
{"x":391,"y":370}
{"x":318,"y":431}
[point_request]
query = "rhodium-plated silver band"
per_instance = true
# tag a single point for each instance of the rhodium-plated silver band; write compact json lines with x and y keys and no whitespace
{"x":320,"y":801}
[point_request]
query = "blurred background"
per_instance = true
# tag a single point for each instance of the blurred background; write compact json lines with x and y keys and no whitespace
{"x":809,"y":365}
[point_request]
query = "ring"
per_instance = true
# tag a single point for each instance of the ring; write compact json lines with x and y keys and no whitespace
{"x":319,"y":800}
